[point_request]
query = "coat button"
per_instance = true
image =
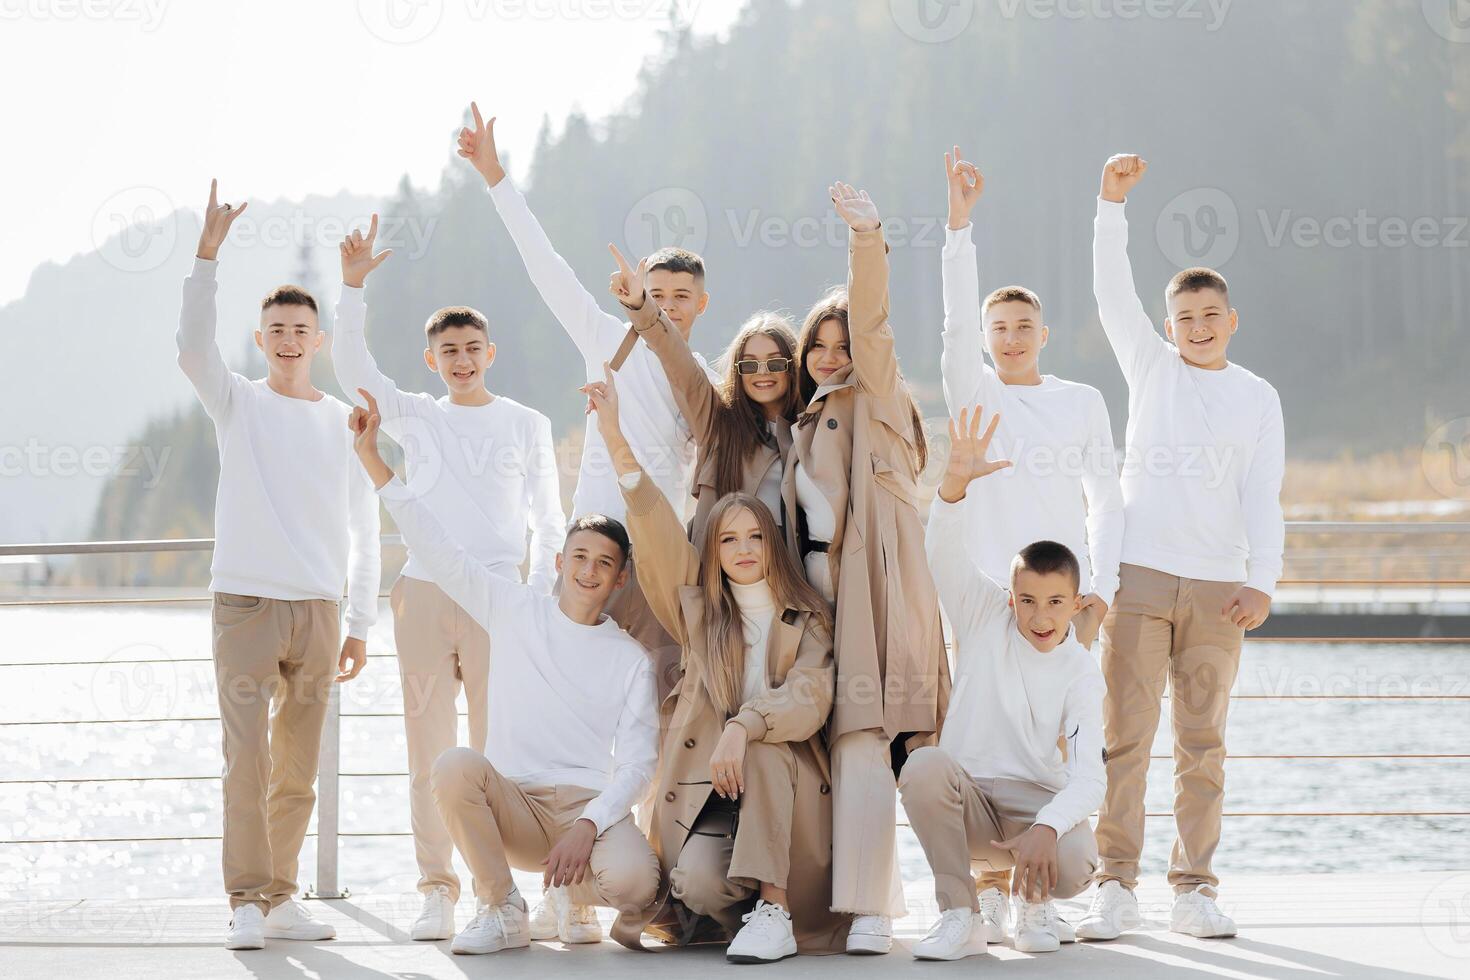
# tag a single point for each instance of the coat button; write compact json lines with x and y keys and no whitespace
{"x":831,"y":423}
{"x":689,"y":743}
{"x":825,"y":789}
{"x":669,"y":796}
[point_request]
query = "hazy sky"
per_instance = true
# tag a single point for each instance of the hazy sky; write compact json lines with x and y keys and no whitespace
{"x":281,"y":98}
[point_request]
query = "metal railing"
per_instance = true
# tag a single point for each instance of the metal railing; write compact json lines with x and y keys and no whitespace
{"x":329,"y":832}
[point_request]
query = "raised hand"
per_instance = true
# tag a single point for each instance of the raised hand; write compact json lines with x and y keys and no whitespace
{"x":364,"y":423}
{"x":627,"y":283}
{"x":357,"y":255}
{"x":1120,"y":174}
{"x":217,"y":220}
{"x":602,"y":398}
{"x":967,"y":448}
{"x":966,"y":183}
{"x":854,"y":206}
{"x":478,"y":147}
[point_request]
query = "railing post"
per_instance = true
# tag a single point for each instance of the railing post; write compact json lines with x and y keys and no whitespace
{"x":326,"y":801}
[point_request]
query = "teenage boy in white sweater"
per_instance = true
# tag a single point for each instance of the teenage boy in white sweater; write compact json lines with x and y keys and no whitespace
{"x":997,"y":789}
{"x":1202,"y":547}
{"x":659,"y":435}
{"x":573,"y":738}
{"x":485,"y":466}
{"x":1064,"y":484}
{"x":294,"y":518}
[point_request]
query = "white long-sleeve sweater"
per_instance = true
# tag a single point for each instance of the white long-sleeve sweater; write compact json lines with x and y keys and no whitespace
{"x":487,"y":471}
{"x":1205,"y":451}
{"x":294,"y":516}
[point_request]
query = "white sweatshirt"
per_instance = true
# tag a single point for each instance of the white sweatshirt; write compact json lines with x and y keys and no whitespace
{"x":1010,"y":701}
{"x":655,"y":430}
{"x":294,"y":515}
{"x":1063,"y":485}
{"x":487,"y":471}
{"x":757,"y":612}
{"x":569,"y":705}
{"x":1206,"y":450}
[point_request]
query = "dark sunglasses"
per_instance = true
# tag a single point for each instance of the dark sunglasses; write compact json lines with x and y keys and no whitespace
{"x":771,"y":365}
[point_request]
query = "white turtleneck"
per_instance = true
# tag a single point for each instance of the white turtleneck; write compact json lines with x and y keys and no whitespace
{"x":757,"y":613}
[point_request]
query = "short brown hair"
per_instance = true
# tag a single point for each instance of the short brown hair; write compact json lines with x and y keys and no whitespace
{"x":288,"y":296}
{"x":1046,"y":558}
{"x":677,"y":260}
{"x":608,"y":527}
{"x":1196,"y":279}
{"x":1012,"y":294}
{"x":456,"y":316}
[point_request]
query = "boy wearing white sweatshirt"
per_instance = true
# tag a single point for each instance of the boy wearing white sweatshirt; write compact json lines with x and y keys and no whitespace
{"x":1064,"y":484}
{"x":1202,"y":551}
{"x":485,"y":466}
{"x":656,"y":430}
{"x":294,"y":519}
{"x":573,"y":725}
{"x":997,"y":790}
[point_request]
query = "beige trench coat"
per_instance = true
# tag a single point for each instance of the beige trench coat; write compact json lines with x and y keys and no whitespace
{"x":855,"y":440}
{"x":799,"y":670}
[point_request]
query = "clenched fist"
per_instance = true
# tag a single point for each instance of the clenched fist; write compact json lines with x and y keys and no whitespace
{"x":1120,"y":174}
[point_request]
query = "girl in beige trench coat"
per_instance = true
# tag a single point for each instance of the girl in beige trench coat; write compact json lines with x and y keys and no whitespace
{"x":852,"y":479}
{"x":742,"y":809}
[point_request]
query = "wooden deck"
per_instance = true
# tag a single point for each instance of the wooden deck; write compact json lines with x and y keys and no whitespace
{"x":1305,"y":927}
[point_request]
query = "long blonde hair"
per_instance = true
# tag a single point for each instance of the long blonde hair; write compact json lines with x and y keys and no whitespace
{"x":724,"y":631}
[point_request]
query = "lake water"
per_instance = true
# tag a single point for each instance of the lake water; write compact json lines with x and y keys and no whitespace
{"x":43,"y":679}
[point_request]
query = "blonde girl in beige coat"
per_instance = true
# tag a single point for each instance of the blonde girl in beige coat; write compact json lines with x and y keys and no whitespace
{"x":742,"y":812}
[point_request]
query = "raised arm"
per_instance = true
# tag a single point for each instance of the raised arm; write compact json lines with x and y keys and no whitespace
{"x":968,"y":594}
{"x":968,"y":379}
{"x":694,"y":392}
{"x":351,"y":359}
{"x":1128,"y":327}
{"x":596,"y":333}
{"x":874,"y":361}
{"x":548,"y":520}
{"x":665,"y":559}
{"x":635,"y":752}
{"x":199,"y":355}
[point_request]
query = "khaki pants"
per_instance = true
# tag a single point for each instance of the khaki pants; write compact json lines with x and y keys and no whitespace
{"x":274,"y":664}
{"x":956,"y":816}
{"x":721,"y":866}
{"x":1163,"y":626}
{"x":439,"y":647}
{"x":498,"y":824}
{"x":865,"y":879}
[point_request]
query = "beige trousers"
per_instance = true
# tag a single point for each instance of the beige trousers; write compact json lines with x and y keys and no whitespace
{"x":274,"y":664}
{"x":439,"y":648}
{"x":956,"y":816}
{"x":498,"y":824}
{"x":865,"y":878}
{"x":1163,"y":627}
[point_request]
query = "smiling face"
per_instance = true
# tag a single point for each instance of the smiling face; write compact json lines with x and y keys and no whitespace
{"x":1015,"y":335}
{"x":767,"y":390}
{"x":460,"y":355}
{"x":742,"y":547}
{"x":289,"y":337}
{"x":1044,"y":603}
{"x":1201,"y":324}
{"x":681,"y":295}
{"x":828,"y":352}
{"x":592,"y":566}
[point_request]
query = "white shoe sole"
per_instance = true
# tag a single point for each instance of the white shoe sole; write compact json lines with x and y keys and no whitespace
{"x":786,"y":952}
{"x":868,"y":945}
{"x":580,"y":938}
{"x":1049,"y":944}
{"x":466,"y":949}
{"x":313,"y":936}
{"x":543,"y":933}
{"x":244,"y":944}
{"x":994,"y":936}
{"x":1185,"y":930}
{"x":974,"y":949}
{"x":1097,"y":930}
{"x":423,"y":934}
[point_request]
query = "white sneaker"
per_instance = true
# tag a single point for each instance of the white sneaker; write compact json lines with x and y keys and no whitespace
{"x":995,"y":911}
{"x":1066,"y":932}
{"x":494,"y":927}
{"x":247,"y":929}
{"x":436,"y":918}
{"x":543,"y":918}
{"x":574,"y":923}
{"x":870,"y":934}
{"x":765,"y":938}
{"x":957,"y":934}
{"x":290,"y":920}
{"x":1036,"y":928}
{"x":1196,"y":914}
{"x":1113,"y":909}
